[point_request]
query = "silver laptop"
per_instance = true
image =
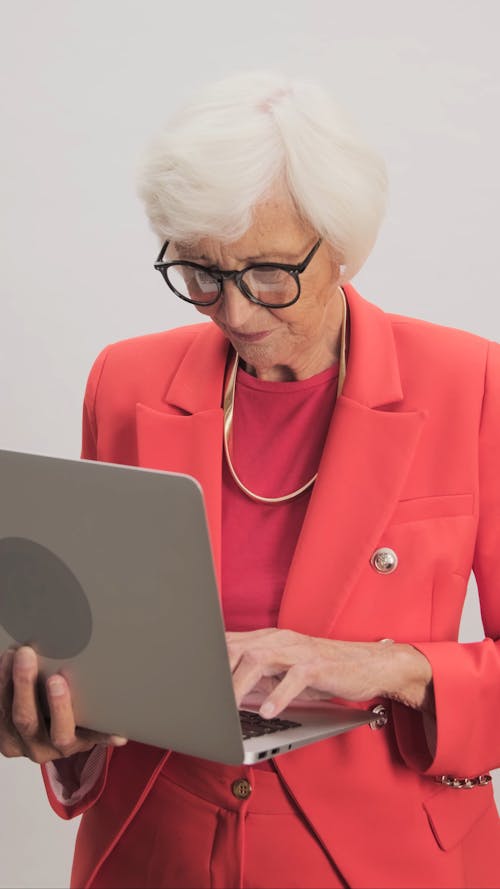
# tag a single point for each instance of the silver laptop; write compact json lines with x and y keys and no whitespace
{"x":107,"y":571}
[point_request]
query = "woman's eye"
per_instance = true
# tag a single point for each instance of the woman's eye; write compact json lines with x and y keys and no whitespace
{"x":204,"y":280}
{"x":268,"y":277}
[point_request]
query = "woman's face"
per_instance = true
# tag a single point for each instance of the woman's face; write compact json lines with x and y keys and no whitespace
{"x":277,"y":344}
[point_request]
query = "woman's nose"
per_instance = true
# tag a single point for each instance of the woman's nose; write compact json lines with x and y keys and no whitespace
{"x":235,"y":309}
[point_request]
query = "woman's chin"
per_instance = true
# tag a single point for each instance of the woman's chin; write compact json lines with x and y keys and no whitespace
{"x":263,"y":351}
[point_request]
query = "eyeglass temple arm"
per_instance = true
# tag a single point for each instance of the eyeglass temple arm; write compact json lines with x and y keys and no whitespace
{"x":303,"y":265}
{"x":162,"y":251}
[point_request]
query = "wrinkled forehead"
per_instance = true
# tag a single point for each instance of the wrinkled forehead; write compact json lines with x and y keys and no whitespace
{"x":277,"y":233}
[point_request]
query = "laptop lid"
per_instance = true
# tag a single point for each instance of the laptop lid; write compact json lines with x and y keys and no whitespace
{"x":107,"y":572}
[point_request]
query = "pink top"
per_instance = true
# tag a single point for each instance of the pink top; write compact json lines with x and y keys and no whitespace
{"x":279,"y":431}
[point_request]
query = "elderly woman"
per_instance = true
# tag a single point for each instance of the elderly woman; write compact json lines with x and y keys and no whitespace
{"x":349,"y":460}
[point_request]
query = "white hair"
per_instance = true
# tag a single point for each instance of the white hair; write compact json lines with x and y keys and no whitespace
{"x":246,"y":135}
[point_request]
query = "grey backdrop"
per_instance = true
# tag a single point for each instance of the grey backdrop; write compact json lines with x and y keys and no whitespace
{"x":85,"y":84}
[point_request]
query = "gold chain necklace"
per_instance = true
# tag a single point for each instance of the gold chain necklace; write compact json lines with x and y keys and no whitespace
{"x":229,"y":412}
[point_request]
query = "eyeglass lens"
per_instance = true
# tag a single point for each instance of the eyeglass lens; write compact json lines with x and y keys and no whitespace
{"x":266,"y":284}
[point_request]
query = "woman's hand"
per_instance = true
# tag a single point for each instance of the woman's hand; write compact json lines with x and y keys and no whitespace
{"x":23,"y":729}
{"x":284,"y":666}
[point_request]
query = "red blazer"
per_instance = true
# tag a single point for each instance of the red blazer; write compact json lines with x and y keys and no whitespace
{"x":412,"y":462}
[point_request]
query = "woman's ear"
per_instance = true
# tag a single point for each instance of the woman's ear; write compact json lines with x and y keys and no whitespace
{"x":338,"y":266}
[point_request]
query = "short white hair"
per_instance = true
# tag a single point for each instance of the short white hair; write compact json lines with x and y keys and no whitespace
{"x":244,"y":136}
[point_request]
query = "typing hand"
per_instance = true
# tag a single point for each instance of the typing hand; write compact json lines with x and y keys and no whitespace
{"x":284,"y":666}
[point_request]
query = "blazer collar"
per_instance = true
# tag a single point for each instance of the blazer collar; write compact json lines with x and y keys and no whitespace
{"x":372,"y":376}
{"x":197,"y":383}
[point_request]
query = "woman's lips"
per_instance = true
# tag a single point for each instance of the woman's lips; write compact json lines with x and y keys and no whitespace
{"x":249,"y":337}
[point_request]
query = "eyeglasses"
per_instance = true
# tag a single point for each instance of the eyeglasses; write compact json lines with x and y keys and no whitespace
{"x":269,"y":284}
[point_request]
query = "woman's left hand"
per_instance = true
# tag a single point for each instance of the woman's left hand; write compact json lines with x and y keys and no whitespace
{"x":284,"y":666}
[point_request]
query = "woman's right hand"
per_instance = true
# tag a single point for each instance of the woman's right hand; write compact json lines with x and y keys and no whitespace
{"x":23,"y":728}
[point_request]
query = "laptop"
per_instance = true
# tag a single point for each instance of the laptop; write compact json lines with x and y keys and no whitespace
{"x":107,"y":572}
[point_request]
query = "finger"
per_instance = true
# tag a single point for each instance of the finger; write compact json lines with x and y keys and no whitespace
{"x":65,"y":737}
{"x":234,"y":654}
{"x":62,"y":720}
{"x":245,"y":678}
{"x":26,"y":717}
{"x":291,"y":686}
{"x":92,"y":738}
{"x":10,"y":747}
{"x":236,"y":651}
{"x":240,"y":643}
{"x":6,"y":686}
{"x":10,"y":744}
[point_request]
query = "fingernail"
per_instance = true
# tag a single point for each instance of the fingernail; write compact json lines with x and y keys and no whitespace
{"x":24,"y":657}
{"x":267,"y":709}
{"x":118,"y":741}
{"x":56,"y":686}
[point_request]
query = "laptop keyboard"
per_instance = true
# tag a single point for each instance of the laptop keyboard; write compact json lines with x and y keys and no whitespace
{"x":253,"y":725}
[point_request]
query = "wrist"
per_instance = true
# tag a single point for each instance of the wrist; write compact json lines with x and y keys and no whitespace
{"x":409,"y":677}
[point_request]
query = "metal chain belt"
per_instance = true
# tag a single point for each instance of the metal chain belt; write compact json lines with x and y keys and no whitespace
{"x":463,"y":783}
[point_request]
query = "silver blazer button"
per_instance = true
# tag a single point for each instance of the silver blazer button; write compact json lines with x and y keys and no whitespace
{"x":384,"y":560}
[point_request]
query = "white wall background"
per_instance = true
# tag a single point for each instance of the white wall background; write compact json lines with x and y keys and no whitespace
{"x":85,"y":83}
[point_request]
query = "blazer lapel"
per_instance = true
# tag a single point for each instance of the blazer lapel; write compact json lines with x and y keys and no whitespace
{"x":367,"y":455}
{"x":187,"y":436}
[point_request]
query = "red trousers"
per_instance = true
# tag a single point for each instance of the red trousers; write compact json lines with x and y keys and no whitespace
{"x":223,"y":827}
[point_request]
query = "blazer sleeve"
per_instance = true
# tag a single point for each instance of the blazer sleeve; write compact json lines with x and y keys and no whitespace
{"x":76,"y":784}
{"x":467,"y":676}
{"x":89,"y":420}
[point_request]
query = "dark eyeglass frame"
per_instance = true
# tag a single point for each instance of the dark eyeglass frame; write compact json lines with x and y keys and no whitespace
{"x":221,"y":275}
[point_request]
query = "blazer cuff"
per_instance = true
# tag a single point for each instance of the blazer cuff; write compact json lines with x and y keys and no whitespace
{"x":76,"y":782}
{"x":466,"y":679}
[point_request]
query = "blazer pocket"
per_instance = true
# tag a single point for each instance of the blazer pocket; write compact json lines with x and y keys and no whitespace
{"x":419,"y":508}
{"x":452,"y":813}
